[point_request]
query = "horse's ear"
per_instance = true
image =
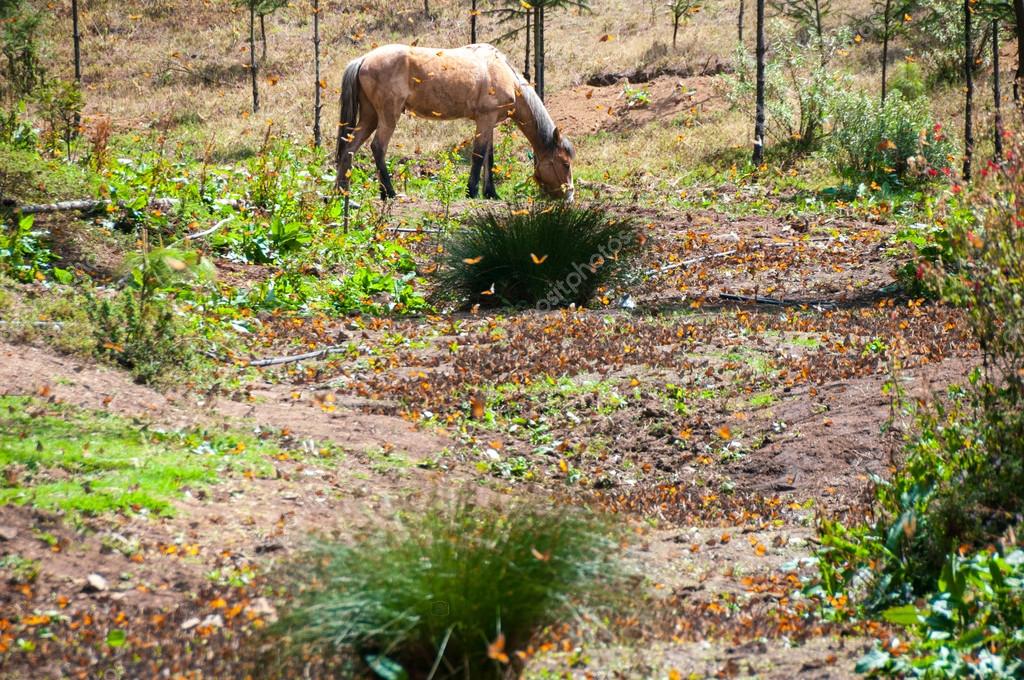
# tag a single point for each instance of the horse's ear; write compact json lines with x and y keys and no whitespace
{"x":557,"y":136}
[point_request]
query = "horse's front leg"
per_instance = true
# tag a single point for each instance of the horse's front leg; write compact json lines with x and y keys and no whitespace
{"x":489,"y":190}
{"x":475,"y":168}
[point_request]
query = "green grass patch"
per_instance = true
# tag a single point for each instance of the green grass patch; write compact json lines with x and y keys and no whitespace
{"x":455,"y":587}
{"x":61,"y":458}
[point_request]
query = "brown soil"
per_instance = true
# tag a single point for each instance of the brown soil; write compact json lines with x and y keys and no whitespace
{"x":586,"y":109}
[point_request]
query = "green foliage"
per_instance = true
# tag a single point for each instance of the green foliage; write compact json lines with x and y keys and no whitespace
{"x":61,"y":105}
{"x":62,"y":458}
{"x":800,"y":83}
{"x":908,"y":79}
{"x":978,"y":608}
{"x":446,"y":583}
{"x":546,"y":254}
{"x":894,"y":142}
{"x":19,"y":44}
{"x":958,"y":491}
{"x":137,"y":328}
{"x":24,"y":254}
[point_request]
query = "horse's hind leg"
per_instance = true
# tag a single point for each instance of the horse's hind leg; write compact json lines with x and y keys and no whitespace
{"x":482,"y":144}
{"x":379,"y":146}
{"x":364,"y":128}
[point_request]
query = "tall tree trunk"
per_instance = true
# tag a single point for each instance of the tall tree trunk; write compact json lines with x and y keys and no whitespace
{"x":76,"y":38}
{"x":538,"y":50}
{"x":969,"y":102}
{"x":739,"y":22}
{"x":426,"y":8}
{"x":675,"y":29}
{"x":317,"y":106}
{"x":997,"y":94}
{"x":472,"y":23}
{"x":886,"y":19}
{"x":1018,"y":79}
{"x":253,"y":68}
{"x":759,"y":104}
{"x":529,"y":37}
{"x":263,"y":36}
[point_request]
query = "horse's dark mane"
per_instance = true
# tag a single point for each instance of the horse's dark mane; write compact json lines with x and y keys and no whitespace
{"x":545,"y":125}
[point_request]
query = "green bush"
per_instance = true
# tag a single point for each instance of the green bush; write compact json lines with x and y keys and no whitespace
{"x":958,"y":491}
{"x":137,"y":328}
{"x":908,"y":79}
{"x":800,"y":81}
{"x":457,"y":587}
{"x":895,"y":142}
{"x":547,"y":255}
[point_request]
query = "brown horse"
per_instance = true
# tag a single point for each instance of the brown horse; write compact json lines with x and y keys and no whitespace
{"x":475,"y":82}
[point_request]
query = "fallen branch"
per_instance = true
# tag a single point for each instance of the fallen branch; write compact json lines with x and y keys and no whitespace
{"x":277,"y":361}
{"x":207,"y":232}
{"x":780,"y":302}
{"x":87,"y":205}
{"x":687,"y":263}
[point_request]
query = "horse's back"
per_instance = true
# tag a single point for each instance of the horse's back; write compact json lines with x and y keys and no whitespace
{"x":462,"y":82}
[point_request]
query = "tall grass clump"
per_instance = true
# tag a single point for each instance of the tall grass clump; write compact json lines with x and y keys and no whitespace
{"x":452,"y":591}
{"x":548,"y":255}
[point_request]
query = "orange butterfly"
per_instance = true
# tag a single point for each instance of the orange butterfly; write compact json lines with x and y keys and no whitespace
{"x":496,"y":650}
{"x":538,"y":260}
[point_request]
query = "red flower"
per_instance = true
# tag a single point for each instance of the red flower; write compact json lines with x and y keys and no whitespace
{"x":956,"y":189}
{"x":932,"y":172}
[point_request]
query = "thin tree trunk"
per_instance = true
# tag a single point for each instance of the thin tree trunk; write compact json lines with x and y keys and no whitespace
{"x":253,"y":68}
{"x":426,"y":8}
{"x":759,"y":104}
{"x":472,"y":23}
{"x":1018,"y":79}
{"x":969,"y":103}
{"x":538,"y":49}
{"x":76,"y":38}
{"x":885,"y":47}
{"x":739,"y":22}
{"x":675,"y":29}
{"x":996,"y":93}
{"x":529,"y":36}
{"x":263,"y":36}
{"x":317,"y":105}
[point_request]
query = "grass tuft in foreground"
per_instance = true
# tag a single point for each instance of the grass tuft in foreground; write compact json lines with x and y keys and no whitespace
{"x":548,"y":255}
{"x":457,"y":587}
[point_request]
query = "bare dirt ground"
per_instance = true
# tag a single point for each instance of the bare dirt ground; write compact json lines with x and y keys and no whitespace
{"x":720,"y":424}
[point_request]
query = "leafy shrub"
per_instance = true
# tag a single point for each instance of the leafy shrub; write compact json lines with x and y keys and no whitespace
{"x":24,"y":254}
{"x":799,"y":84}
{"x":137,"y":328}
{"x":457,"y":587}
{"x":958,"y":492}
{"x":972,"y":627}
{"x":895,"y":141}
{"x":549,"y":255}
{"x":908,"y":79}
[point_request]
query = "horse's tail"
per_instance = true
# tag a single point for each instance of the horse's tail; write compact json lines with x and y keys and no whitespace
{"x":349,"y":108}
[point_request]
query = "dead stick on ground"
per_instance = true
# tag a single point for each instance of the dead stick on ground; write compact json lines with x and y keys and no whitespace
{"x":207,"y":232}
{"x":687,"y":263}
{"x":276,"y":361}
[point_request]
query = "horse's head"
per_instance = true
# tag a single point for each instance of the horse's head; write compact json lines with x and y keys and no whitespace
{"x":553,"y":168}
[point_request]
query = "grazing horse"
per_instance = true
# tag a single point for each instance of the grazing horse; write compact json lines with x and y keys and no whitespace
{"x":475,"y":82}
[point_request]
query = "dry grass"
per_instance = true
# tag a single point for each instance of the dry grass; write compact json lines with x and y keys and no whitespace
{"x":158,"y":68}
